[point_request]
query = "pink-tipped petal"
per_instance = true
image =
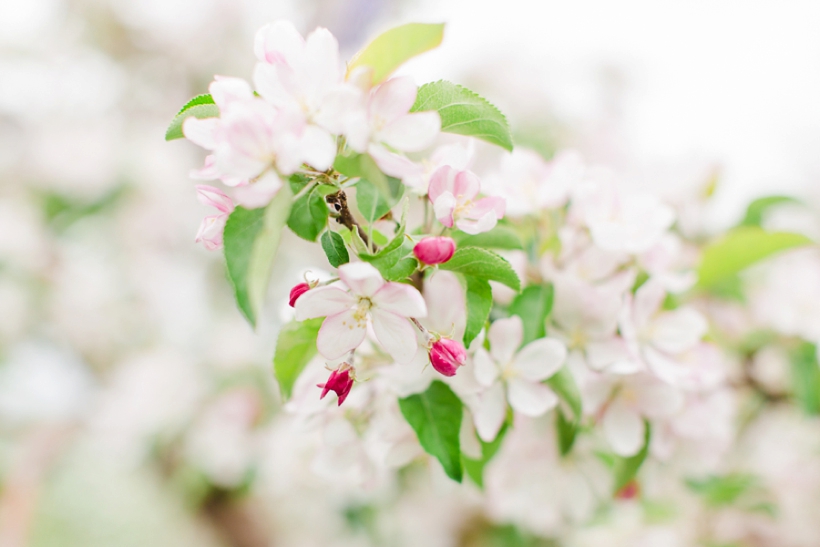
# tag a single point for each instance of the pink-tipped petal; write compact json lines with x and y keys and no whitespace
{"x":278,"y":42}
{"x":394,"y":164}
{"x":392,"y":99}
{"x":323,"y":301}
{"x":362,"y":278}
{"x":444,"y":207}
{"x":400,"y":299}
{"x":214,"y":197}
{"x":339,"y":333}
{"x":226,"y":90}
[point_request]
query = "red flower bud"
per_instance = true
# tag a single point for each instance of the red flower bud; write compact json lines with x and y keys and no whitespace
{"x":298,"y":291}
{"x":434,"y":250}
{"x":630,"y":490}
{"x":340,"y":382}
{"x":447,"y":355}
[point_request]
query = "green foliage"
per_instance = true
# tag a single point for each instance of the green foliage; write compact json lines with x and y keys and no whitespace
{"x":201,"y":106}
{"x":335,"y":250}
{"x":625,"y":469}
{"x":500,"y":237}
{"x":435,"y":416}
{"x":362,"y":166}
{"x":464,"y":112}
{"x":295,"y":347}
{"x":758,"y":208}
{"x":390,"y":49}
{"x":720,"y":491}
{"x":739,"y":249}
{"x":483,"y":264}
{"x":396,"y":264}
{"x":479,"y":299}
{"x":62,"y":210}
{"x":308,"y":216}
{"x":568,"y":415}
{"x":806,"y":377}
{"x":251,"y":239}
{"x":533,"y":306}
{"x":475,"y":468}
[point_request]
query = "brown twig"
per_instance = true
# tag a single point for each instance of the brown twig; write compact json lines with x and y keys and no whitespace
{"x":339,"y":203}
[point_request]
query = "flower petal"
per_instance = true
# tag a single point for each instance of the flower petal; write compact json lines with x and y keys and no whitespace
{"x":225,"y":90}
{"x":318,"y":148}
{"x":201,"y":132}
{"x":400,"y":299}
{"x":648,"y":300}
{"x":505,"y":336}
{"x":323,"y":301}
{"x":443,"y":207}
{"x":395,"y":334}
{"x":339,"y":333}
{"x":486,"y":370}
{"x":677,"y":331}
{"x":623,"y":428}
{"x":540,"y":359}
{"x":489,"y":412}
{"x":392,"y":99}
{"x":530,"y":398}
{"x":466,"y":185}
{"x":278,"y":42}
{"x":214,"y":197}
{"x":394,"y":164}
{"x":362,"y":278}
{"x":412,"y":132}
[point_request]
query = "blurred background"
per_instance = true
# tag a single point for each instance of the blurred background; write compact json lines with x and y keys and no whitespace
{"x":137,"y":407}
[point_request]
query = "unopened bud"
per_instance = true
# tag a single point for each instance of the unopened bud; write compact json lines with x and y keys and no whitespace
{"x":339,"y":381}
{"x":298,"y":291}
{"x":447,"y":355}
{"x":435,"y":250}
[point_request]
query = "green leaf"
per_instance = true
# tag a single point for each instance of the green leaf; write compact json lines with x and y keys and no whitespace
{"x":500,"y":237}
{"x":392,"y":48}
{"x":396,"y":265}
{"x":533,"y":306}
{"x":739,"y":249}
{"x":435,"y":416}
{"x":625,"y":469}
{"x":372,"y":204}
{"x":201,"y":106}
{"x":295,"y":347}
{"x":482,"y":264}
{"x":475,"y":468}
{"x":806,"y":377}
{"x":567,"y":431}
{"x":721,"y":491}
{"x":479,"y":300}
{"x":308,"y":216}
{"x":568,"y":417}
{"x":335,"y":250}
{"x":758,"y":208}
{"x":251,"y":239}
{"x":464,"y":112}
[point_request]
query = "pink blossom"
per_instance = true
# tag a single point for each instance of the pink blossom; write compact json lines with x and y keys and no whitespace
{"x":296,"y":292}
{"x":340,"y":381}
{"x":210,"y":231}
{"x":453,"y":194}
{"x":386,"y":305}
{"x":435,"y":250}
{"x":447,"y":355}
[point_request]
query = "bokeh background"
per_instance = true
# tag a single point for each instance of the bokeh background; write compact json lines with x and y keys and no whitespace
{"x":137,"y":407}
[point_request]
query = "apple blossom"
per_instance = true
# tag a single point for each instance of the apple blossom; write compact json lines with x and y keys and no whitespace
{"x":387,"y":306}
{"x":447,"y":355}
{"x":518,"y":372}
{"x":435,"y":250}
{"x":296,"y":292}
{"x":210,"y":231}
{"x":453,"y":194}
{"x":339,"y":381}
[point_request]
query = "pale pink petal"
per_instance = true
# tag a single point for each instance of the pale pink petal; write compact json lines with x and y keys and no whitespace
{"x":323,"y":301}
{"x":483,"y":224}
{"x":468,"y":441}
{"x":400,"y":299}
{"x":490,"y":412}
{"x":214,"y":197}
{"x":201,"y":131}
{"x":339,"y":333}
{"x":505,"y":336}
{"x":658,"y":400}
{"x":318,"y":148}
{"x":443,"y":208}
{"x":540,"y":359}
{"x":208,"y":171}
{"x":442,"y":180}
{"x":491,"y":205}
{"x":623,"y":428}
{"x":677,"y":331}
{"x":602,"y":354}
{"x":485,"y":369}
{"x":412,"y":132}
{"x":530,"y":398}
{"x":395,"y":334}
{"x":258,"y":194}
{"x":278,"y":42}
{"x":444,"y":296}
{"x":391,"y":100}
{"x":394,"y":164}
{"x":210,"y":232}
{"x":647,"y":302}
{"x":664,"y":367}
{"x":269,"y":85}
{"x":466,"y":185}
{"x":362,"y":278}
{"x":321,"y":62}
{"x":226,"y":90}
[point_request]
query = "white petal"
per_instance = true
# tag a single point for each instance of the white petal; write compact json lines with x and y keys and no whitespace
{"x":445,"y":304}
{"x":540,"y":359}
{"x":395,"y":334}
{"x":623,"y":428}
{"x":400,"y":299}
{"x":486,"y":371}
{"x":362,"y":278}
{"x":677,"y":331}
{"x":664,"y":367}
{"x":648,"y":300}
{"x":392,"y":99}
{"x":489,"y":412}
{"x":470,"y":446}
{"x":278,"y":42}
{"x":339,"y":334}
{"x":413,"y":132}
{"x":225,"y":90}
{"x":323,"y":301}
{"x":505,"y":336}
{"x":322,"y":62}
{"x":658,"y":400}
{"x":530,"y":398}
{"x":318,"y":148}
{"x":258,"y":194}
{"x":394,"y":164}
{"x":269,"y":85}
{"x":483,"y":224}
{"x":201,"y":132}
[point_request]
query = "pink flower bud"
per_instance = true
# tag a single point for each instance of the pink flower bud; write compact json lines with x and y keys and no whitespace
{"x":630,"y":490}
{"x":435,"y":250}
{"x":298,"y":291}
{"x":340,"y":382}
{"x":447,"y":355}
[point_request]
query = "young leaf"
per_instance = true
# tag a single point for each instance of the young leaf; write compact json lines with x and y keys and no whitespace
{"x":392,"y":48}
{"x":295,"y":347}
{"x":435,"y":416}
{"x":479,"y":299}
{"x":201,"y":106}
{"x":625,"y":469}
{"x":757,"y":209}
{"x":806,"y":377}
{"x":500,"y":237}
{"x":475,"y":468}
{"x":308,"y":217}
{"x":251,"y":239}
{"x":739,"y":249}
{"x":568,"y":417}
{"x":394,"y":265}
{"x":372,"y":204}
{"x":533,"y":306}
{"x":483,"y":264}
{"x":335,"y":250}
{"x":464,"y":112}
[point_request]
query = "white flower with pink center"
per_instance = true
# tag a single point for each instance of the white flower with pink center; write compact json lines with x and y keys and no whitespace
{"x":453,"y":195}
{"x":387,"y":306}
{"x":519,"y":373}
{"x":210,"y":231}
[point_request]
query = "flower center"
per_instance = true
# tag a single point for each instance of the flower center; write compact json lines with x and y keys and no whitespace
{"x":360,"y":315}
